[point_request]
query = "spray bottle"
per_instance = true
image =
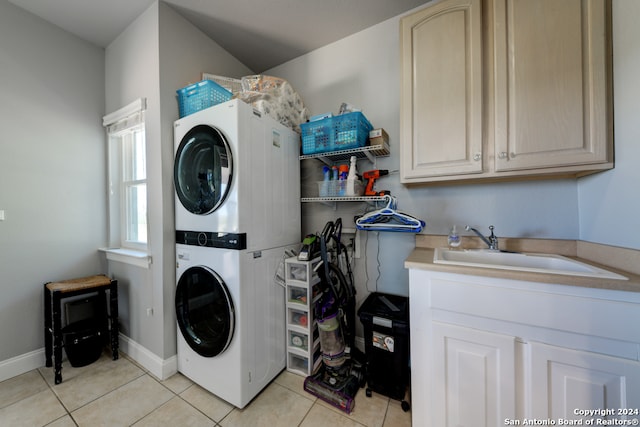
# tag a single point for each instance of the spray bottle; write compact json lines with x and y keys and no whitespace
{"x":324,"y":187}
{"x":333,"y":184}
{"x":342,"y":179}
{"x":352,"y":177}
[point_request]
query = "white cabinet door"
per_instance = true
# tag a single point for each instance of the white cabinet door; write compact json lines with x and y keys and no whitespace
{"x":473,"y":379}
{"x":550,"y":82}
{"x":564,"y":381}
{"x":441,"y":91}
{"x":420,"y":347}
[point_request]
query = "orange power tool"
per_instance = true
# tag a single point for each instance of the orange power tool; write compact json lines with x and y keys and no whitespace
{"x":371,"y":177}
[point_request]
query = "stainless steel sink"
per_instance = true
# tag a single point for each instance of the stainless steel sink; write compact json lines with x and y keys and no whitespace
{"x":538,"y":263}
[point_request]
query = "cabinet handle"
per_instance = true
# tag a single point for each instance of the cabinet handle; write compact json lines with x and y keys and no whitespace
{"x":477,"y":156}
{"x":513,"y":154}
{"x":502,"y":155}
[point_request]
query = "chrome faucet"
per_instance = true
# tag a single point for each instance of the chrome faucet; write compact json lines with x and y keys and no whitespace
{"x":491,"y":241}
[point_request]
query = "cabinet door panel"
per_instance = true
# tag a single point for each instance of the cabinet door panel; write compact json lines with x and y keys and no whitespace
{"x":474,"y":377}
{"x":550,"y":83}
{"x":441,"y":99}
{"x":564,"y":380}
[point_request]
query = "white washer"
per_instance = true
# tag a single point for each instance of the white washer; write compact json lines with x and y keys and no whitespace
{"x":231,"y":319}
{"x":236,"y":171}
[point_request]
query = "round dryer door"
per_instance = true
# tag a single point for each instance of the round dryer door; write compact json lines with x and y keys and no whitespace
{"x":204,"y":311}
{"x":202,"y":170}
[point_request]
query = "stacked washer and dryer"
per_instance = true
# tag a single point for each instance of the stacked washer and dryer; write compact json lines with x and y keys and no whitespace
{"x":237,"y":181}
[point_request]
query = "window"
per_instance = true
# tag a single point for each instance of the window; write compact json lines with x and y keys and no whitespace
{"x":127,"y":177}
{"x":134,"y":187}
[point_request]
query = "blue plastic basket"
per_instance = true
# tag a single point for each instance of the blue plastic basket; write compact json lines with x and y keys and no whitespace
{"x":336,"y":133}
{"x":201,"y":95}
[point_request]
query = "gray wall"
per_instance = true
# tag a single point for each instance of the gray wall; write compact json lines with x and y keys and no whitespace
{"x":131,"y":64}
{"x":609,"y":202}
{"x":363,"y":70}
{"x":157,"y":54}
{"x":52,"y":169}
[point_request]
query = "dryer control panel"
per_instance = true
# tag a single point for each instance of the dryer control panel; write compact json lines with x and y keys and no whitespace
{"x":212,"y":240}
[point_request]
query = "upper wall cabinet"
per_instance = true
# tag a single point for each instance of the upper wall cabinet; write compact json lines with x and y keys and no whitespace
{"x":441,"y":91}
{"x":506,"y":89}
{"x":550,"y":84}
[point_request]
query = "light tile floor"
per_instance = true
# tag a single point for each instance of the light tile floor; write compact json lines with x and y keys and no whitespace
{"x":120,"y":393}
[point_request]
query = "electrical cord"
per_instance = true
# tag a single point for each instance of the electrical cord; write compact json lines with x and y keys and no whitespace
{"x":366,"y":261}
{"x":378,"y":260}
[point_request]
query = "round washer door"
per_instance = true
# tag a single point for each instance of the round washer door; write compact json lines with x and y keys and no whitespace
{"x":204,"y":310}
{"x":203,"y":170}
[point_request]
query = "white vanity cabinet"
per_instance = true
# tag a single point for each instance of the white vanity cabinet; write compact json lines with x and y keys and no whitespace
{"x":477,"y":373}
{"x":485,"y":351}
{"x":580,"y":379}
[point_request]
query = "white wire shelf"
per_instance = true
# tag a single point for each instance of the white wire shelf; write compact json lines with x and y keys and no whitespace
{"x":367,"y":152}
{"x":344,"y":199}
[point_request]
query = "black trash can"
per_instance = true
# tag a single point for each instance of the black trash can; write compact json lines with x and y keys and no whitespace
{"x":83,"y":342}
{"x":385,"y":319}
{"x":85,"y":334}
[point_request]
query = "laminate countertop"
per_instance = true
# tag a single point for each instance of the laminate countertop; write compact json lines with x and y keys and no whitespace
{"x":618,"y":260}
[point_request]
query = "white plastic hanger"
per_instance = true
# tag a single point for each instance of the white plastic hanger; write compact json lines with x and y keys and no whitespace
{"x":388,"y":219}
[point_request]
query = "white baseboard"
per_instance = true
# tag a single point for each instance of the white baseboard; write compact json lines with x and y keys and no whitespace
{"x":20,"y":364}
{"x":158,"y":367}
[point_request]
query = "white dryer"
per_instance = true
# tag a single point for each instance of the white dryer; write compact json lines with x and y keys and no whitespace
{"x":231,"y":319}
{"x":236,"y":171}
